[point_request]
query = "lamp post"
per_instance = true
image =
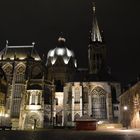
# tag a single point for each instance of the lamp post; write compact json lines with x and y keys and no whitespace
{"x":6,"y":119}
{"x":125,"y":108}
{"x":52,"y":117}
{"x":0,"y":119}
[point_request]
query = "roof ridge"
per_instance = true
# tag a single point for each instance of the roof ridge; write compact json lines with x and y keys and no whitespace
{"x":23,"y":46}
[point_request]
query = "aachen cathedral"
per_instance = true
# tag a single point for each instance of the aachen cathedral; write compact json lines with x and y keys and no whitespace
{"x":52,"y":90}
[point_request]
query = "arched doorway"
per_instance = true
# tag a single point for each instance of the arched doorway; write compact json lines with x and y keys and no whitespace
{"x":32,"y":121}
{"x":76,"y":116}
{"x":99,"y":103}
{"x":58,"y":118}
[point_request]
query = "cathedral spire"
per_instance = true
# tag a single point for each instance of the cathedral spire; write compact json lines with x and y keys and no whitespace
{"x":95,"y":34}
{"x":96,"y":49}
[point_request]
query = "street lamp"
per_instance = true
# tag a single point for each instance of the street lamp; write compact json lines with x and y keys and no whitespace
{"x":6,"y":119}
{"x":125,"y":108}
{"x":0,"y":119}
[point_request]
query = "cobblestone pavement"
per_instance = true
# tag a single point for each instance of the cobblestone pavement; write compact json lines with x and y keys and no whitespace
{"x":70,"y":135}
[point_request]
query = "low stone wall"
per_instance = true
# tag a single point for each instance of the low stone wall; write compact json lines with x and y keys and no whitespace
{"x":15,"y":124}
{"x":109,"y":126}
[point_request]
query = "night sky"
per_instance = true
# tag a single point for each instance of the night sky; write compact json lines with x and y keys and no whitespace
{"x":25,"y":21}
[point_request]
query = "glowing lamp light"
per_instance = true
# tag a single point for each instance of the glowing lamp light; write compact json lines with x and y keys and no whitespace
{"x":6,"y":115}
{"x":125,"y":108}
{"x":32,"y":127}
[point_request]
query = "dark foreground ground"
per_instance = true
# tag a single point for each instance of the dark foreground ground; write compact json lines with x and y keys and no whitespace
{"x":70,"y":135}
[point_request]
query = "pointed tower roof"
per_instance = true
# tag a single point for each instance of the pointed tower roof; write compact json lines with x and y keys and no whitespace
{"x":95,"y":33}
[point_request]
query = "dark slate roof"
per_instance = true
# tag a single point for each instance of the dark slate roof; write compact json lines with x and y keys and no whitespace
{"x":34,"y":87}
{"x":130,"y":84}
{"x":82,"y":75}
{"x":101,"y":77}
{"x":20,"y":52}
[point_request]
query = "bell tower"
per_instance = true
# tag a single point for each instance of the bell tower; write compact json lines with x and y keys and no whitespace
{"x":96,"y":48}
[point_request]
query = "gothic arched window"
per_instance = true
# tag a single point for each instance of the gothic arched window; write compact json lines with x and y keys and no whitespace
{"x":20,"y":73}
{"x":8,"y":68}
{"x":76,"y":116}
{"x":77,"y":95}
{"x":33,"y":99}
{"x":99,"y":103}
{"x":85,"y":95}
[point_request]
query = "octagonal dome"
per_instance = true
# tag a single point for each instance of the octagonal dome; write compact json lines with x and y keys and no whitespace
{"x":61,"y":51}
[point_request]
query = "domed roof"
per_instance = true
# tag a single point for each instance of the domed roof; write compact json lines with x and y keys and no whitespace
{"x":61,"y":51}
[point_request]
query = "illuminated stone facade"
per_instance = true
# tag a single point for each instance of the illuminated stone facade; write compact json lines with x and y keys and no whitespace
{"x":27,"y":86}
{"x":92,"y":92}
{"x":3,"y":92}
{"x":130,"y":107}
{"x":88,"y":98}
{"x":45,"y":92}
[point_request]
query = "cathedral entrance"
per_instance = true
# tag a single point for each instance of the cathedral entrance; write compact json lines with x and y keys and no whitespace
{"x":32,"y":121}
{"x":59,"y":119}
{"x":99,"y":103}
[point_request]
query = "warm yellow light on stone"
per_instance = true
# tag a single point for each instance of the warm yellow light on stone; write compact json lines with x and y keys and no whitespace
{"x":110,"y":127}
{"x":33,"y":107}
{"x":21,"y":58}
{"x":12,"y":58}
{"x":6,"y":115}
